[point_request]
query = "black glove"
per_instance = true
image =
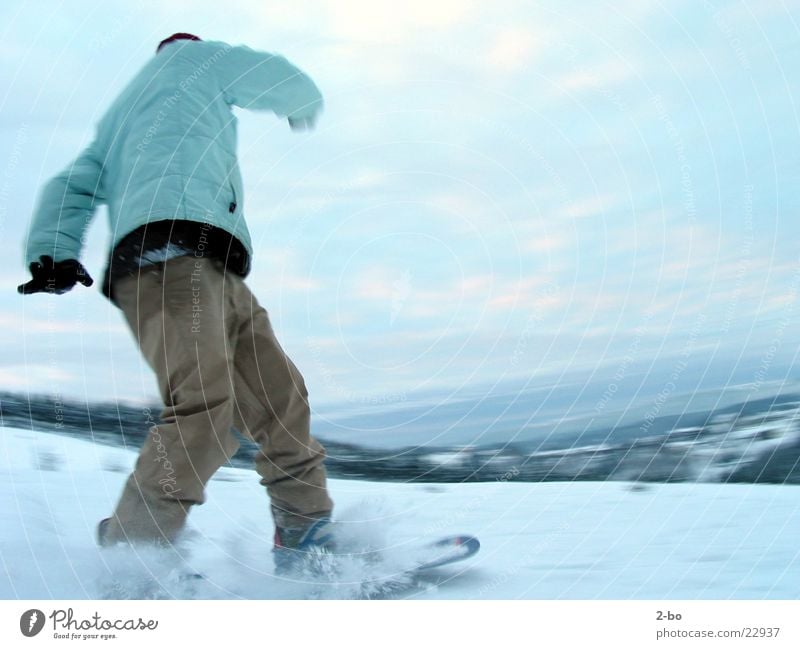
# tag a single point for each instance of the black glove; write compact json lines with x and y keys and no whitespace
{"x":55,"y":277}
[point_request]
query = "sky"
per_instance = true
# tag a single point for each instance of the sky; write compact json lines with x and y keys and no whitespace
{"x":506,"y":191}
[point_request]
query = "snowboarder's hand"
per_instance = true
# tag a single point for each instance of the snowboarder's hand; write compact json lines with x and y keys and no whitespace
{"x":55,"y":277}
{"x":301,"y":123}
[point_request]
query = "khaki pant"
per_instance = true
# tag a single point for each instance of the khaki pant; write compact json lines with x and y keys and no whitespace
{"x":218,"y":365}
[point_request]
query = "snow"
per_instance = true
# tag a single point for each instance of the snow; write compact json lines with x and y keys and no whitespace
{"x":556,"y":540}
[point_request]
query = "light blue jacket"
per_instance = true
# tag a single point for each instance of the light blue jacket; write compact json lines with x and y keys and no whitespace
{"x":166,"y":148}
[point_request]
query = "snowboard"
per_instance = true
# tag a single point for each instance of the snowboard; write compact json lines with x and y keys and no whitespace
{"x":418,"y":570}
{"x":445,"y":551}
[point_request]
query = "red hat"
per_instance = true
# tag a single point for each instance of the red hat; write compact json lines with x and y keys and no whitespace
{"x":180,"y":36}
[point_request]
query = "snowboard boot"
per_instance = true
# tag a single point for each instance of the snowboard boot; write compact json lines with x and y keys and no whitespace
{"x":296,"y":548}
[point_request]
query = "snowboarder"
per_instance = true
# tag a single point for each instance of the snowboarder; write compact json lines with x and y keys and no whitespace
{"x":164,"y":162}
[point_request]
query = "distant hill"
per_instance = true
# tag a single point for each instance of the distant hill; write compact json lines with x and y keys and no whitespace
{"x":754,"y":441}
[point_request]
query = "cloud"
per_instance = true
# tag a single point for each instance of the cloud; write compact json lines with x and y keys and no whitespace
{"x":547,"y":243}
{"x":598,"y":75}
{"x":375,"y":283}
{"x":362,"y":21}
{"x":471,"y":301}
{"x":16,"y":321}
{"x":466,"y":211}
{"x":513,"y":49}
{"x":531,"y":293}
{"x":375,"y":21}
{"x":477,"y":285}
{"x":39,"y":378}
{"x":595,"y":205}
{"x":300,"y":283}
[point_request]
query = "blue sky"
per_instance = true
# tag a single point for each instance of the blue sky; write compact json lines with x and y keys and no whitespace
{"x":507,"y":190}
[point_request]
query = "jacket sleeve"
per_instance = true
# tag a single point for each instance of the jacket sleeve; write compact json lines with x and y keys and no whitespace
{"x":65,"y":209}
{"x":263,"y":81}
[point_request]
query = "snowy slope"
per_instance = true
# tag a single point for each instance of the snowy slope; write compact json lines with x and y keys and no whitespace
{"x":540,"y":540}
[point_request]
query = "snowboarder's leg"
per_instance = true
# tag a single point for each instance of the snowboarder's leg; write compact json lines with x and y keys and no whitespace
{"x":179,"y":315}
{"x":271,"y":406}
